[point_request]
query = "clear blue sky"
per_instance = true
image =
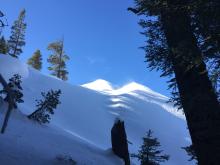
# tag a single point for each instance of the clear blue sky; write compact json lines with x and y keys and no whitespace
{"x":101,"y":37}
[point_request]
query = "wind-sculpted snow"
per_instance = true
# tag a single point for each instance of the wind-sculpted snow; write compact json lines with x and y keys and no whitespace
{"x":85,"y":117}
{"x":134,"y":89}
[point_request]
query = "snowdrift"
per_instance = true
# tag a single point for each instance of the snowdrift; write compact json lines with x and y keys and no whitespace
{"x":82,"y":122}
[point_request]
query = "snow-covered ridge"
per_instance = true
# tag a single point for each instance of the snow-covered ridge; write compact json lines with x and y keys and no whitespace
{"x":105,"y":86}
{"x":99,"y":85}
{"x":134,"y":89}
{"x":82,"y":122}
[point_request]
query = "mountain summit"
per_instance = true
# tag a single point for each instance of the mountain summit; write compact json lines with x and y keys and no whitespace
{"x":105,"y":86}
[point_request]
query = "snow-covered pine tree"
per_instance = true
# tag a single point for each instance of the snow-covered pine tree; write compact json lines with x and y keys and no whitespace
{"x":15,"y":85}
{"x":46,"y":106}
{"x":36,"y":60}
{"x":149,"y":153}
{"x":16,"y":41}
{"x":58,"y":60}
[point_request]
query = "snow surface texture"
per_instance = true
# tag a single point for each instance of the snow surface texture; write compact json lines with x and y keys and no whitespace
{"x":82,"y":122}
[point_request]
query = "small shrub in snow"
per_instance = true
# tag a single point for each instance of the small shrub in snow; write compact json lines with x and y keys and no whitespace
{"x":46,"y":106}
{"x":149,"y":154}
{"x":15,"y":85}
{"x":65,"y":159}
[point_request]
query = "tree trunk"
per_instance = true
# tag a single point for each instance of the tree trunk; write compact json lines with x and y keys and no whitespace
{"x":197,"y":95}
{"x":119,"y":141}
{"x":10,"y":103}
{"x":60,"y":61}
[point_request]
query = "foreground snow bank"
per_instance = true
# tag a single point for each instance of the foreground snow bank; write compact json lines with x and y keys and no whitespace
{"x":26,"y":142}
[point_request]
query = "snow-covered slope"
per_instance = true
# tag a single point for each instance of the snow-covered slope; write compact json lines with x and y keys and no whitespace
{"x":82,"y":122}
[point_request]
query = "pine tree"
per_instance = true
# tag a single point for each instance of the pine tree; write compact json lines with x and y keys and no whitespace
{"x":36,"y":60}
{"x":173,"y":48}
{"x":17,"y":40}
{"x":15,"y":85}
{"x":46,"y":106}
{"x":3,"y":46}
{"x":10,"y":99}
{"x":206,"y":23}
{"x":149,"y":153}
{"x":3,"y":21}
{"x":58,"y":60}
{"x":191,"y":152}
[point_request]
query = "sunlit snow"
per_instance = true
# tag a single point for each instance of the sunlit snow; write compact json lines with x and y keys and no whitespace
{"x":82,"y":122}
